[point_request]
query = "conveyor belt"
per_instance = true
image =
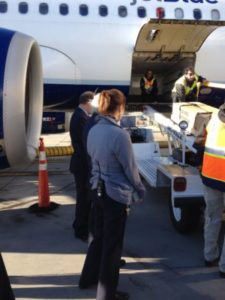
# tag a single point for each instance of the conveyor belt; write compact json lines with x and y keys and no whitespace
{"x":148,"y":169}
{"x":164,"y":108}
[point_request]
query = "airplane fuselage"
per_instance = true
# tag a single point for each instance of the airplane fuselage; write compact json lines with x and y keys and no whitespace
{"x":83,"y":50}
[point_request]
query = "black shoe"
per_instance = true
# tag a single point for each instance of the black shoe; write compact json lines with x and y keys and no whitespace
{"x":212,"y":263}
{"x":122,"y":263}
{"x":222,"y":274}
{"x":83,"y":286}
{"x":121,"y":296}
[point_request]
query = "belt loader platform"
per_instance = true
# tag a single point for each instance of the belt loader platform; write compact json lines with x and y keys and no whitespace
{"x":178,"y":175}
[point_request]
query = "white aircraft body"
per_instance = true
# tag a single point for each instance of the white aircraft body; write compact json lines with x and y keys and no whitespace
{"x":89,"y":45}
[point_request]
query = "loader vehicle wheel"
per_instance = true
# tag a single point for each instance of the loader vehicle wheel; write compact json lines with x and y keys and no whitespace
{"x":185,"y":219}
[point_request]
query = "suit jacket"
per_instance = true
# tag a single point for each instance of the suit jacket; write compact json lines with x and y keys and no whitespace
{"x":78,"y":161}
{"x":93,"y":120}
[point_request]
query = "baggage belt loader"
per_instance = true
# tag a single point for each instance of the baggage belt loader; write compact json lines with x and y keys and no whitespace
{"x":174,"y":171}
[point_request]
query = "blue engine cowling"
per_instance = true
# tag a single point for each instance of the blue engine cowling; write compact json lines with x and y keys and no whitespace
{"x":21,"y":98}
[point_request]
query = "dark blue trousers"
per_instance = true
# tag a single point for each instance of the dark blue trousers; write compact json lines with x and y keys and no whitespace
{"x":83,"y":205}
{"x":108,"y":219}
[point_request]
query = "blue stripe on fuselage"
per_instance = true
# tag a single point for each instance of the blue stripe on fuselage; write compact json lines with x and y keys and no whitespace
{"x":4,"y":162}
{"x":5,"y":39}
{"x":215,"y":98}
{"x":67,"y":95}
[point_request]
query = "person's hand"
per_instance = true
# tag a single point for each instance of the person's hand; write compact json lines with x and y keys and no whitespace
{"x":136,"y":198}
{"x":205,"y":82}
{"x":200,"y":140}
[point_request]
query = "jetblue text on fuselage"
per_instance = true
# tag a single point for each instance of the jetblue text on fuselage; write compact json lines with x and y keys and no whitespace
{"x":134,"y":2}
{"x":193,"y":1}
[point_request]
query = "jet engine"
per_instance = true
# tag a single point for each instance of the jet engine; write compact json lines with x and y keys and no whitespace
{"x":21,"y":98}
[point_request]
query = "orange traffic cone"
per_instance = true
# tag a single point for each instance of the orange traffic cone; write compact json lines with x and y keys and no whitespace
{"x":44,"y":204}
{"x":43,"y":189}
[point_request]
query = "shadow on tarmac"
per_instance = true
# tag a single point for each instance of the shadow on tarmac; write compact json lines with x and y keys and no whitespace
{"x":161,"y":264}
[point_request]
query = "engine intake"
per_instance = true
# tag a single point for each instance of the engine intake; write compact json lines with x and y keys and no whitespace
{"x":21,"y":98}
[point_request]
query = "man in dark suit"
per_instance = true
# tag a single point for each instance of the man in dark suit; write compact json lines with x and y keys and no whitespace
{"x":79,"y":164}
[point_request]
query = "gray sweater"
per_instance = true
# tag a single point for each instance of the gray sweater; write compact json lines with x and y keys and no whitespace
{"x":113,"y":160}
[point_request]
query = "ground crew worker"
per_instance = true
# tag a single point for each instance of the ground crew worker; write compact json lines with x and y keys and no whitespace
{"x":213,"y":176}
{"x":79,"y":165}
{"x":186,"y":88}
{"x":148,"y":86}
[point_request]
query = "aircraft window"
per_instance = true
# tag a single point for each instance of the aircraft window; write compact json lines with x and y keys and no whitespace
{"x":103,"y":10}
{"x":197,"y":14}
{"x":160,"y":12}
{"x":64,"y":9}
{"x":3,"y":7}
{"x":141,"y":12}
{"x":215,"y":14}
{"x":23,"y":7}
{"x":83,"y":10}
{"x":179,"y":13}
{"x":122,"y":11}
{"x":43,"y":8}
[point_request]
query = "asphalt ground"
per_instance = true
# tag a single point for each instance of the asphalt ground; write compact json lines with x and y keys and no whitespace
{"x":44,"y":260}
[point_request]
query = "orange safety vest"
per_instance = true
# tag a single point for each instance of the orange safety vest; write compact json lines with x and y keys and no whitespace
{"x":213,"y":168}
{"x":148,"y":83}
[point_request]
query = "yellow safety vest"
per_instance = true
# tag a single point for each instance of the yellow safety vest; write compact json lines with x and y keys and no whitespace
{"x":213,"y":168}
{"x":187,"y":89}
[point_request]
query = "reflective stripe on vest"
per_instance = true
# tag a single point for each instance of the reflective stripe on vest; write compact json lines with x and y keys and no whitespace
{"x":214,"y":155}
{"x":189,"y":89}
{"x":148,"y":83}
{"x":214,"y":167}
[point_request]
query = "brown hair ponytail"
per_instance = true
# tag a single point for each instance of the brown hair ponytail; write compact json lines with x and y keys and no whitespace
{"x":110,"y":101}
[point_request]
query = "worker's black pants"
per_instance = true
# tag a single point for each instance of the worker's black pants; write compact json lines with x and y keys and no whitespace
{"x":83,"y":204}
{"x":108,"y":219}
{"x":146,"y":98}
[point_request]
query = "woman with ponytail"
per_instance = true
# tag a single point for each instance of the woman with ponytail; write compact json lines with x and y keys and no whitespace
{"x":114,"y":180}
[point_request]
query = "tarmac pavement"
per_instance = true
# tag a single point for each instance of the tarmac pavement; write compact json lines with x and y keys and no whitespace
{"x":44,"y":260}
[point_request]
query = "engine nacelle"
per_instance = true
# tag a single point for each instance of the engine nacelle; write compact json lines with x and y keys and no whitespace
{"x":21,"y":98}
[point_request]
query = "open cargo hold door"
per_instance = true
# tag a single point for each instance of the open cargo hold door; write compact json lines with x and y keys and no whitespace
{"x":167,"y":47}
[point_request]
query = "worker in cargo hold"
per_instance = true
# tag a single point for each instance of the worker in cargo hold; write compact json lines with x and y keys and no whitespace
{"x":213,"y":177}
{"x":148,"y":86}
{"x":186,"y":88}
